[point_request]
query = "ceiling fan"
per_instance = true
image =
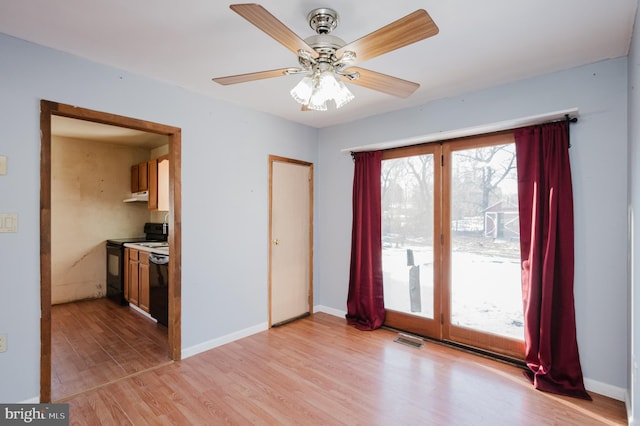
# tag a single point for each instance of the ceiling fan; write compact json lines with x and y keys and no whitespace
{"x":327,"y":61}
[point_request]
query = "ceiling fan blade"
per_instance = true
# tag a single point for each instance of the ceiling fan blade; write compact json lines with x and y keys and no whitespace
{"x":382,"y":83}
{"x":412,"y":28}
{"x":241,"y":78}
{"x":261,"y":18}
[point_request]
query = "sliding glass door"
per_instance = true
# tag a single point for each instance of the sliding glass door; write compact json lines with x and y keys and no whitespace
{"x":411,"y":241}
{"x":451,"y":259}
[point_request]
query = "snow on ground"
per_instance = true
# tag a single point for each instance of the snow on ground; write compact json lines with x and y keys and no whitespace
{"x":486,"y":290}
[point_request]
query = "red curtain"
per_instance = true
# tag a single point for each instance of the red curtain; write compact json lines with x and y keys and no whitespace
{"x":547,"y":251}
{"x":365,"y":302}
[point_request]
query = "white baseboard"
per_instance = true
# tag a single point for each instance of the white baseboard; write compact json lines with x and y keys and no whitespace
{"x":214,"y":343}
{"x":34,"y":400}
{"x":627,"y":403}
{"x":330,"y":311}
{"x":605,"y":389}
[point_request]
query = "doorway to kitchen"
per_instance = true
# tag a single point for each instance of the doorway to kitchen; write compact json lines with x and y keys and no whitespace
{"x":49,"y":110}
{"x":291,"y":239}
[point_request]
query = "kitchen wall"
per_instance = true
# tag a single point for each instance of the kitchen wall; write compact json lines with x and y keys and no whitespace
{"x":89,"y":180}
{"x":599,"y":171}
{"x":225,"y":151}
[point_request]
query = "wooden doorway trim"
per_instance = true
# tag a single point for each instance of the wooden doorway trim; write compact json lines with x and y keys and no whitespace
{"x":48,"y":109}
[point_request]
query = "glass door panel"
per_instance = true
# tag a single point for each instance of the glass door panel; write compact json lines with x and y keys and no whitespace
{"x":407,"y":234}
{"x":485,"y":298}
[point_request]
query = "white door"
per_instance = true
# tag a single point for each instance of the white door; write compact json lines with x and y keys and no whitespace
{"x":290,"y":264}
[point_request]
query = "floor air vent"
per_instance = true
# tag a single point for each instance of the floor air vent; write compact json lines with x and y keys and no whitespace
{"x":412,"y":341}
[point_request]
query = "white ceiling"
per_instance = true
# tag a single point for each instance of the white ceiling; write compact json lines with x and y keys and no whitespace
{"x":480,"y":44}
{"x":87,"y":130}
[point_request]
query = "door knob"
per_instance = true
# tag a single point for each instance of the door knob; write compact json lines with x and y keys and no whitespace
{"x":276,"y":242}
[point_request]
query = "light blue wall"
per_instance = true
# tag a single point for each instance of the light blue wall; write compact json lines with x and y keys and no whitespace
{"x":224,"y":195}
{"x":599,"y":170}
{"x":633,"y":388}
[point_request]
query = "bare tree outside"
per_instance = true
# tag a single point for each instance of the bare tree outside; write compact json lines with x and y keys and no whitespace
{"x":479,"y":174}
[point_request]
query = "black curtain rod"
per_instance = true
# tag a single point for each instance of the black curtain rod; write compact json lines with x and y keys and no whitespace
{"x":567,"y":117}
{"x":569,"y":120}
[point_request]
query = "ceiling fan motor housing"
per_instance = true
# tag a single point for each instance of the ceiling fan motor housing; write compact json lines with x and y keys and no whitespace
{"x":323,"y":20}
{"x":324,"y":43}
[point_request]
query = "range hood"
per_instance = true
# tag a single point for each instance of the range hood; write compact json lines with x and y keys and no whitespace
{"x":137,"y":196}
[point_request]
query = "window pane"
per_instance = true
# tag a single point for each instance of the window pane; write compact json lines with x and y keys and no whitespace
{"x":485,"y":241}
{"x":407,"y":234}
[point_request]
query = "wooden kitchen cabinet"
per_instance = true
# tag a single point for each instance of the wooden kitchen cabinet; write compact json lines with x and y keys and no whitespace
{"x":153,"y":176}
{"x":136,"y":278}
{"x":159,"y":183}
{"x":132,"y":278}
{"x":163,"y":183}
{"x":143,"y":176}
{"x":152,"y":168}
{"x":140,"y":177}
{"x":143,"y":281}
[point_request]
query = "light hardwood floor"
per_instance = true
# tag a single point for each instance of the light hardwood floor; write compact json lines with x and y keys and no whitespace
{"x":319,"y":371}
{"x":95,"y":342}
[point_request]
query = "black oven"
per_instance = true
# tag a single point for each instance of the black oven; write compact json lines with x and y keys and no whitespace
{"x":115,"y":258}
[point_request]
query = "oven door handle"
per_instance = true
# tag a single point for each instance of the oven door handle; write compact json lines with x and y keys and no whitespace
{"x":158,"y":259}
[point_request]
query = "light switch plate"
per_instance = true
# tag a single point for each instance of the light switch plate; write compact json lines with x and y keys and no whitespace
{"x":3,"y":165}
{"x":8,"y":222}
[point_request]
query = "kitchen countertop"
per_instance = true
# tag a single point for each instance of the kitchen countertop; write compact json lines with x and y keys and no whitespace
{"x":151,"y":247}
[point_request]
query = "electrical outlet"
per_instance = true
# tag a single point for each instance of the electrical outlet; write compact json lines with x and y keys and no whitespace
{"x":3,"y":342}
{"x":8,"y":222}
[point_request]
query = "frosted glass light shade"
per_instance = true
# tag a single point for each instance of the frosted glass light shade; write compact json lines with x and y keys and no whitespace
{"x":343,"y":95}
{"x":302,"y":91}
{"x":316,"y":90}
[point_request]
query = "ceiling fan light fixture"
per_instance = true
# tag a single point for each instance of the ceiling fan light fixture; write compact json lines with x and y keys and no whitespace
{"x":342,"y":95}
{"x":302,"y":91}
{"x":314,"y":91}
{"x":317,"y":102}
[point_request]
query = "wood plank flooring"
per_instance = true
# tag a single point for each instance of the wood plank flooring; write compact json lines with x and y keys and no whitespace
{"x":319,"y":371}
{"x":95,"y":342}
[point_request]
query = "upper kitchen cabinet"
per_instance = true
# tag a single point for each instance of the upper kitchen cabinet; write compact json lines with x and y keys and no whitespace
{"x":152,"y":176}
{"x":152,"y":167}
{"x":163,"y":183}
{"x":140,"y":177}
